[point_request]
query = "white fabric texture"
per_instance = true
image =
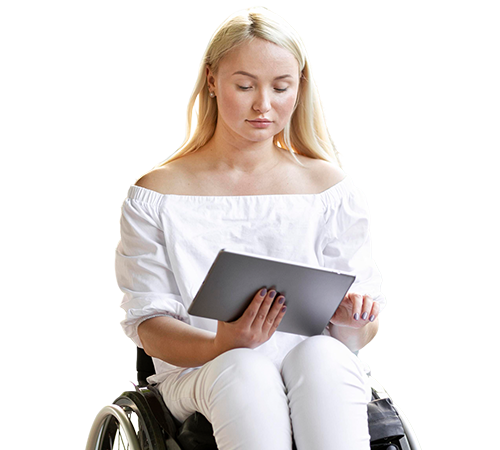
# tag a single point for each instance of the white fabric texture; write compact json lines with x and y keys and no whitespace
{"x":168,"y":243}
{"x":320,"y":394}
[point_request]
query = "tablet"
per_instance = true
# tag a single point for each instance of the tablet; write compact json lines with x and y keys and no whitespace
{"x":312,"y":293}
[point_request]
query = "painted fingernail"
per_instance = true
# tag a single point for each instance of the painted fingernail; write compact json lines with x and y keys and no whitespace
{"x":281,"y":300}
{"x":283,"y":310}
{"x":356,"y":316}
{"x":272,"y":294}
{"x":372,"y":318}
{"x":263,"y":292}
{"x":364,"y":316}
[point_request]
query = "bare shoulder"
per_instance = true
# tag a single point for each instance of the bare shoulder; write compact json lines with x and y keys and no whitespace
{"x":168,"y":179}
{"x":325,"y":173}
{"x":320,"y":175}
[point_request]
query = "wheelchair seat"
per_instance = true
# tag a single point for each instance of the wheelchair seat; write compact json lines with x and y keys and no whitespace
{"x":140,"y":420}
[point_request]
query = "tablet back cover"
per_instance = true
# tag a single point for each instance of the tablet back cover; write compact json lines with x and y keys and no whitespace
{"x":312,"y":294}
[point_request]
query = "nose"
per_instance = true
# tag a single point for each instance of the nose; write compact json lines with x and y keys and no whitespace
{"x":262,"y":102}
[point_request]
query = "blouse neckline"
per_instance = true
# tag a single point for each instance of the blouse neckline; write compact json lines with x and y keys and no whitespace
{"x":151,"y":192}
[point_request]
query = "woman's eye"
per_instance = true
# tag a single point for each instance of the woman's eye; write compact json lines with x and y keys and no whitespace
{"x":247,"y":88}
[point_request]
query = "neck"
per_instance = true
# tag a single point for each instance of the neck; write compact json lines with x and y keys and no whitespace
{"x":243,"y":157}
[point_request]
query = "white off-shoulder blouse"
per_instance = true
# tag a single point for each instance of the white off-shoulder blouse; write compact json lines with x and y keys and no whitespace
{"x":168,"y":243}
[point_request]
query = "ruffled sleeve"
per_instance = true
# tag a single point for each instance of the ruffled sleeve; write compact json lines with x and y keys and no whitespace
{"x":348,"y":245}
{"x":143,"y":269}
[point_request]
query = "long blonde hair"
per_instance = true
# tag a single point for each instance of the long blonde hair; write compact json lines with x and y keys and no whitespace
{"x":306,"y":133}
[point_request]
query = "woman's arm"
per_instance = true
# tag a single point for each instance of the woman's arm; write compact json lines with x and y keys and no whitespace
{"x":355,"y":339}
{"x":355,"y":323}
{"x":183,"y":345}
{"x":176,"y":342}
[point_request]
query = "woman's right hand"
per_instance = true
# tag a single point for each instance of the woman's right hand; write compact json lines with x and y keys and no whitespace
{"x":257,"y":324}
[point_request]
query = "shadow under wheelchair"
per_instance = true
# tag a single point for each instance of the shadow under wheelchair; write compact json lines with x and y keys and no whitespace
{"x":140,"y":420}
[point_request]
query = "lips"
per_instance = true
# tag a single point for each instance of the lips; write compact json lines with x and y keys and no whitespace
{"x":260,"y":123}
{"x":261,"y":120}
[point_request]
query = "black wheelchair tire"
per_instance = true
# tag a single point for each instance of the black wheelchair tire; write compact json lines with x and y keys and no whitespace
{"x":149,"y":433}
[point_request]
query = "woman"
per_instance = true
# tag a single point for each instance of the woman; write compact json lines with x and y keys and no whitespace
{"x":260,"y":175}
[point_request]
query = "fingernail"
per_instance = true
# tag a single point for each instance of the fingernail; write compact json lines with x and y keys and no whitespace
{"x":356,"y":316}
{"x":272,"y":294}
{"x":281,"y":300}
{"x":263,"y":292}
{"x":364,"y":316}
{"x":372,"y":318}
{"x":283,"y":310}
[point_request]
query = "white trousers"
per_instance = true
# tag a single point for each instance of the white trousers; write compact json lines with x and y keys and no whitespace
{"x":321,"y":393}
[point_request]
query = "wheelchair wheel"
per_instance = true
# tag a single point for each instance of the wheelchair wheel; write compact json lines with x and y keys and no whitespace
{"x":128,"y":424}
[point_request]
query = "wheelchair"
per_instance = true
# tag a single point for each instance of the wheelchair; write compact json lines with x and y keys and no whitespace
{"x":140,"y":420}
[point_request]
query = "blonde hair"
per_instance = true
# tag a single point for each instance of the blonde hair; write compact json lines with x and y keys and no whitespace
{"x":306,"y":133}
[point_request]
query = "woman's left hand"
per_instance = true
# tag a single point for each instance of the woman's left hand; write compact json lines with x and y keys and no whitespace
{"x":355,"y":311}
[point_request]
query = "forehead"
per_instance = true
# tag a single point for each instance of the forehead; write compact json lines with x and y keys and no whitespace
{"x":261,"y":58}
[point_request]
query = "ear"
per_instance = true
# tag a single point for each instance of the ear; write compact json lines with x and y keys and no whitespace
{"x":210,"y":78}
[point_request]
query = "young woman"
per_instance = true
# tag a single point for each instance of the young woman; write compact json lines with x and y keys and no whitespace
{"x":260,"y":175}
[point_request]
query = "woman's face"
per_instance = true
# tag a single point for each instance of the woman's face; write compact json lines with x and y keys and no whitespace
{"x":256,"y":88}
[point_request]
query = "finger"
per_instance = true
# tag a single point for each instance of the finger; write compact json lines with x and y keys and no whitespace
{"x":357,"y":304}
{"x":277,"y":320}
{"x":275,"y":310}
{"x":264,"y":308}
{"x":367,"y":307}
{"x":374,"y":312}
{"x":252,"y":310}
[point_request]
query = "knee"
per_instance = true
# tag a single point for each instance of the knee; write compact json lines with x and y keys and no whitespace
{"x":245,"y":369}
{"x":320,"y":347}
{"x":323,"y":355}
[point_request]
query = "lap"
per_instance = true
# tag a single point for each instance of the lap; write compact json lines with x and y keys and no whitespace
{"x":248,"y":399}
{"x":248,"y":372}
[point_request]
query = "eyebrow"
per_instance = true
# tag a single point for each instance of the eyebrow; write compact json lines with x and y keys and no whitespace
{"x":241,"y":72}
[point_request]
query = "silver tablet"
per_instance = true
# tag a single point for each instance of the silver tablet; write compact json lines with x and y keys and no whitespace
{"x":312,"y":293}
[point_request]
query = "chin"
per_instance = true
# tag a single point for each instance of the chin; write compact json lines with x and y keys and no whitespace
{"x":256,"y":140}
{"x":261,"y":135}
